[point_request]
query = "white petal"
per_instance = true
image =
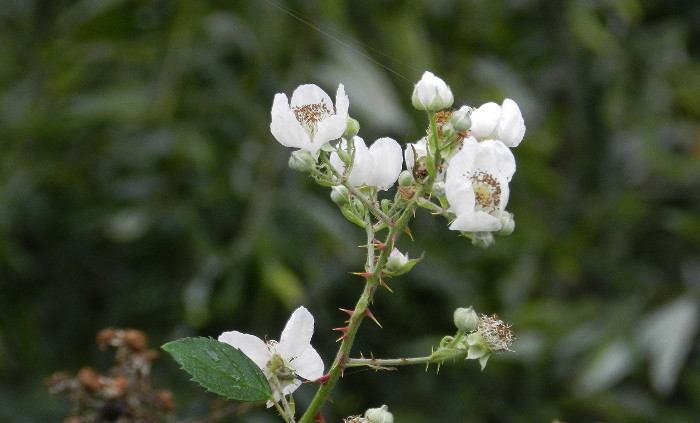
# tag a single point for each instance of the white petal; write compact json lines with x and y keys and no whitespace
{"x":329,"y":129}
{"x":342,"y":102}
{"x":310,"y":94}
{"x":386,"y":163}
{"x":285,"y":127}
{"x":460,"y":195}
{"x":296,"y":336}
{"x":250,"y":345}
{"x":478,"y":221}
{"x":308,"y":365}
{"x":485,"y":119}
{"x":361,"y":163}
{"x":494,"y":157}
{"x":421,"y":150}
{"x":511,"y":125}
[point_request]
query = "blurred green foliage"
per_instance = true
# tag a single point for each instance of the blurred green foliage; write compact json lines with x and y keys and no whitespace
{"x":140,"y":187}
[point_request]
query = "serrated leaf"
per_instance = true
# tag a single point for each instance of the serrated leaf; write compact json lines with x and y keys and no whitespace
{"x":220,"y":368}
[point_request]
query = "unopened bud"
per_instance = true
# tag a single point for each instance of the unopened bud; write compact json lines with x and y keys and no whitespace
{"x":351,"y":129}
{"x":431,"y":94}
{"x":461,"y":120}
{"x":301,"y":161}
{"x":379,"y":415}
{"x":396,"y":260}
{"x":482,"y":239}
{"x":406,"y":179}
{"x":466,"y":319}
{"x":340,"y":195}
{"x":507,"y":223}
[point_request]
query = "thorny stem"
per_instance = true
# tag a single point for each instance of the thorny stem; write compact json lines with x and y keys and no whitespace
{"x":386,"y":362}
{"x":374,"y":268}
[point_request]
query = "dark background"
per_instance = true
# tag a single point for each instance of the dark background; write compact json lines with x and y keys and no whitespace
{"x":140,"y":187}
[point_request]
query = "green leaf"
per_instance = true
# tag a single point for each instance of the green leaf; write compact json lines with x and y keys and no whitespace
{"x":220,"y":368}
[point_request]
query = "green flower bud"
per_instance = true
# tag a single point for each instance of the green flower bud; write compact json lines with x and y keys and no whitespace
{"x":340,"y":195}
{"x":406,"y":179}
{"x":507,"y":222}
{"x":439,"y":189}
{"x":482,"y":239}
{"x":379,"y":415}
{"x":461,"y":119}
{"x":466,"y":319}
{"x":302,"y":161}
{"x":352,"y":128}
{"x":396,"y":260}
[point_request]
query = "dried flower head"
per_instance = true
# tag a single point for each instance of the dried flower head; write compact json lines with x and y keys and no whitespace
{"x":496,"y":333}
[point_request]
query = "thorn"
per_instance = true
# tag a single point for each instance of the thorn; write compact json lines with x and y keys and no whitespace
{"x":319,"y":418}
{"x":379,"y":246}
{"x":363,"y":274}
{"x":381,"y":282}
{"x":408,"y":232}
{"x":350,"y":312}
{"x":323,"y":379}
{"x":371,"y":316}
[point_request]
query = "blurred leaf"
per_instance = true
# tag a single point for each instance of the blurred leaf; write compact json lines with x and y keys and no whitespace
{"x":668,"y":334}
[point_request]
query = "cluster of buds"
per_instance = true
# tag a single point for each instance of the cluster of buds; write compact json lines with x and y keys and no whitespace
{"x":124,"y":394}
{"x":478,"y":337}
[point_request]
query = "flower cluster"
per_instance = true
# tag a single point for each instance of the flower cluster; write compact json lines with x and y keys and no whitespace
{"x":465,"y":159}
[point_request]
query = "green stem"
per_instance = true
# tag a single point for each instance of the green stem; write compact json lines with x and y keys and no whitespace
{"x":374,"y":271}
{"x":386,"y":362}
{"x":284,"y":410}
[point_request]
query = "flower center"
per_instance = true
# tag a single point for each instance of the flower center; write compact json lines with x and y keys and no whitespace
{"x":309,"y":115}
{"x":277,"y":365}
{"x":487,"y":191}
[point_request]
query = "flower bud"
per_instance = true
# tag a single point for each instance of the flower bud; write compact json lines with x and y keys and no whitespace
{"x":461,"y":120}
{"x":431,"y":94}
{"x":439,"y":189}
{"x":379,"y":415}
{"x":352,"y":128}
{"x":396,"y":260}
{"x":301,"y":161}
{"x":482,"y":239}
{"x":466,"y":319}
{"x":507,"y":223}
{"x":406,"y":179}
{"x":340,"y":195}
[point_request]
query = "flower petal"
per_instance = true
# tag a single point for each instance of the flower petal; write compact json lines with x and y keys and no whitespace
{"x":296,"y":336}
{"x":511,"y":125}
{"x":385,"y":164}
{"x":310,"y":94}
{"x":484,"y":120}
{"x":308,"y":365}
{"x":285,"y":127}
{"x":250,"y":345}
{"x":477,"y":221}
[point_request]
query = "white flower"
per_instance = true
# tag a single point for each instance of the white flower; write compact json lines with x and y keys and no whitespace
{"x":309,"y":120}
{"x":476,"y":185}
{"x":291,"y":358}
{"x":504,"y":123}
{"x":379,"y":165}
{"x":431,"y":93}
